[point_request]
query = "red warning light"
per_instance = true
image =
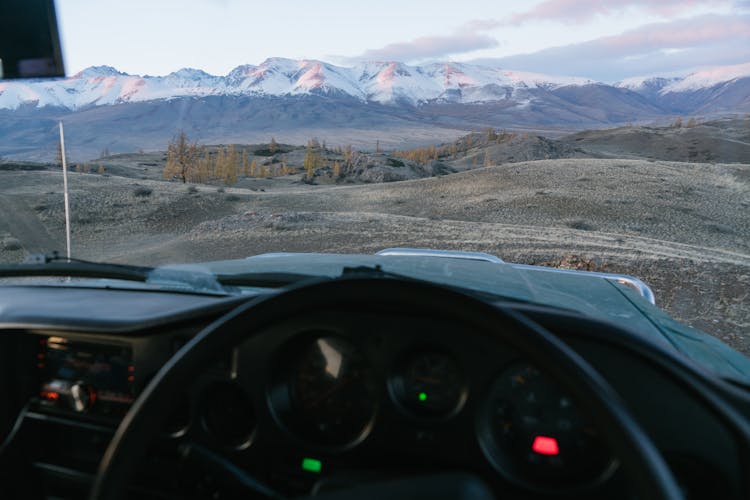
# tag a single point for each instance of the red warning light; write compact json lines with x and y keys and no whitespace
{"x":545,"y":445}
{"x":51,"y":396}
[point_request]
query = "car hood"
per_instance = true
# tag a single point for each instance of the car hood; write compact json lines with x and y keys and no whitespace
{"x":592,"y":294}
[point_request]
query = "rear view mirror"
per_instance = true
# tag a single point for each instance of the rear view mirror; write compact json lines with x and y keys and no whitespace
{"x":29,"y":40}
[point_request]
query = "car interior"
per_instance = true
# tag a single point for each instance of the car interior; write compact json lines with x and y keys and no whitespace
{"x":364,"y":385}
{"x":355,"y":385}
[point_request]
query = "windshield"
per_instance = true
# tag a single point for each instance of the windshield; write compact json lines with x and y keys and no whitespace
{"x":597,"y":136}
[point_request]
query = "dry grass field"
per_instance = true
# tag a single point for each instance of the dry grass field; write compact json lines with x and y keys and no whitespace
{"x":684,"y":228}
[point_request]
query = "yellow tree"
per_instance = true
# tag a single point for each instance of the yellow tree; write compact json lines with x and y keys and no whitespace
{"x":204,"y":167}
{"x":182,"y":156}
{"x":58,"y":157}
{"x":221,"y":162}
{"x":312,"y":159}
{"x":230,"y":173}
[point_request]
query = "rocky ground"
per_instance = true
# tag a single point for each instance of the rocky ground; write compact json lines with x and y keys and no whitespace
{"x":684,"y":228}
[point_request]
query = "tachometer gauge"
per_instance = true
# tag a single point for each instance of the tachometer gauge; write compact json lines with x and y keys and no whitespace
{"x":429,"y":384}
{"x":327,"y":396}
{"x":534,"y":434}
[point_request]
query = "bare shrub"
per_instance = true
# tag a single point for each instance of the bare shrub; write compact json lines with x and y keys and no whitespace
{"x":142,"y":192}
{"x":581,"y":225}
{"x":11,"y":244}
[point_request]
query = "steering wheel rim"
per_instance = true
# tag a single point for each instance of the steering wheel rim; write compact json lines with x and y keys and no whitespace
{"x":637,"y":454}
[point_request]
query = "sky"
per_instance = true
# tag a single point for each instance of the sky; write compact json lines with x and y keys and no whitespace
{"x":605,"y":40}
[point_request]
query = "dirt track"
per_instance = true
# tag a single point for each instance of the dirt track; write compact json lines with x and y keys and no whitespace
{"x":24,"y":225}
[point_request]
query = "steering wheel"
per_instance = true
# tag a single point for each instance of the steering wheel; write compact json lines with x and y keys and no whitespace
{"x":638,"y":456}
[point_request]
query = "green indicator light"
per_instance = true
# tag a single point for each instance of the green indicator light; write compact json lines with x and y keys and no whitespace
{"x":423,"y":396}
{"x":312,"y":465}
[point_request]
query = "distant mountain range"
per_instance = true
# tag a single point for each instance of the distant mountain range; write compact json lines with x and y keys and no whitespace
{"x":290,"y":99}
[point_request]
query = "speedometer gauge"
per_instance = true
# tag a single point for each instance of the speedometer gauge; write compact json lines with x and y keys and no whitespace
{"x":534,"y":434}
{"x":326,"y":395}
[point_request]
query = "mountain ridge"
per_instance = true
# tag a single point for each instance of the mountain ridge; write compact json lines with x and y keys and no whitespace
{"x":394,"y":103}
{"x":384,"y":82}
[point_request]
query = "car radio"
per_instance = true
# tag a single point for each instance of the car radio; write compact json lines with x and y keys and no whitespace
{"x":85,"y":377}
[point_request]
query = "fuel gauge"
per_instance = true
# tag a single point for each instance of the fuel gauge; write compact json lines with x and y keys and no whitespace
{"x":429,"y":384}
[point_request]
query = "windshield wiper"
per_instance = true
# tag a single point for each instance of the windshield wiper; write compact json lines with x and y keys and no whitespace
{"x":56,"y":265}
{"x":160,"y":277}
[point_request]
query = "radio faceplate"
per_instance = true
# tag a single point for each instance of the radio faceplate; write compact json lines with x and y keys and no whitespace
{"x":85,"y":377}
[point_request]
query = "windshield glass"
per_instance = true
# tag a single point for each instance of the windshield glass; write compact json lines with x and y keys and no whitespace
{"x":597,"y":136}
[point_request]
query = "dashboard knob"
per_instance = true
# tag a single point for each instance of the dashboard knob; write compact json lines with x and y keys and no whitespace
{"x":82,"y":397}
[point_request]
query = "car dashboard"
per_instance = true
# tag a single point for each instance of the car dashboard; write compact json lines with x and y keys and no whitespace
{"x":342,"y":397}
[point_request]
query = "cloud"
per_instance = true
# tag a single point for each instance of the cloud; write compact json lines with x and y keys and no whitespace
{"x":676,"y":46}
{"x":467,"y":38}
{"x":580,"y":11}
{"x":684,"y":33}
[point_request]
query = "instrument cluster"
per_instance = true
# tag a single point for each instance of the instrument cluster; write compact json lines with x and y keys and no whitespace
{"x":336,"y":393}
{"x":345,"y":392}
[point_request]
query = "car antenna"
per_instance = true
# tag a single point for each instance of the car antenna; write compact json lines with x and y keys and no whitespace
{"x":65,"y":189}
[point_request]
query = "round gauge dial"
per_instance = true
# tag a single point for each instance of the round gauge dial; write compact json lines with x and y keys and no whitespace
{"x":534,"y":434}
{"x":227,"y":414}
{"x":429,"y":384}
{"x":328,"y":397}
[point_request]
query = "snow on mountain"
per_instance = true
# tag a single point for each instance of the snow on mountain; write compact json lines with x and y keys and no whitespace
{"x":694,"y":81}
{"x":385,"y":82}
{"x":709,"y":78}
{"x":382,"y":82}
{"x":646,"y":83}
{"x":94,"y":71}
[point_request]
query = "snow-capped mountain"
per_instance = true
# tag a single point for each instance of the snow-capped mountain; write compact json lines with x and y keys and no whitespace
{"x":379,"y":82}
{"x":391,"y":102}
{"x":695,"y":81}
{"x":719,"y":89}
{"x":647,"y":85}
